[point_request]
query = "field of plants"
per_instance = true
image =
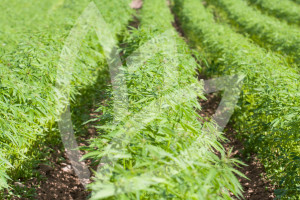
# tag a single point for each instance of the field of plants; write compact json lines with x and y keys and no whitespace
{"x":104,"y":99}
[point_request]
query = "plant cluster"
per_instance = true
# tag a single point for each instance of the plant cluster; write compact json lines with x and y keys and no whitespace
{"x":268,"y":112}
{"x":158,"y":148}
{"x":263,"y":29}
{"x":29,"y":55}
{"x":286,"y":10}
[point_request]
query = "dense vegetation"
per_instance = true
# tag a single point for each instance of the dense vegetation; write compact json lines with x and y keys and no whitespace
{"x":285,"y":10}
{"x":162,"y":150}
{"x":269,"y":106}
{"x":265,"y":30}
{"x":28,"y":105}
{"x":151,"y":142}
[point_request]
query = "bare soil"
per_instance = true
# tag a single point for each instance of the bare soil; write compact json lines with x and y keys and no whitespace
{"x":136,"y":4}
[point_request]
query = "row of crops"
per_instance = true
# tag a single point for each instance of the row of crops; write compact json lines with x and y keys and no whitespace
{"x":285,"y":10}
{"x":163,"y":150}
{"x":152,"y":143}
{"x":268,"y":114}
{"x":30,"y":51}
{"x":263,"y":29}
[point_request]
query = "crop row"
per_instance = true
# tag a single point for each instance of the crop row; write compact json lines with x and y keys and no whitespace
{"x":264,"y":29}
{"x":158,"y":148}
{"x":29,"y":58}
{"x":268,"y":112}
{"x":286,"y":10}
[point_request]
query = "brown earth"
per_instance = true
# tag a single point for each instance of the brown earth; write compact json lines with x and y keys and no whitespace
{"x":136,"y":4}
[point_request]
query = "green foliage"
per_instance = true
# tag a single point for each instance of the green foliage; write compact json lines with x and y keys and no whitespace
{"x":297,"y":1}
{"x":269,"y":106}
{"x":29,"y":53}
{"x":286,"y":10}
{"x":266,"y":30}
{"x":159,"y":147}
